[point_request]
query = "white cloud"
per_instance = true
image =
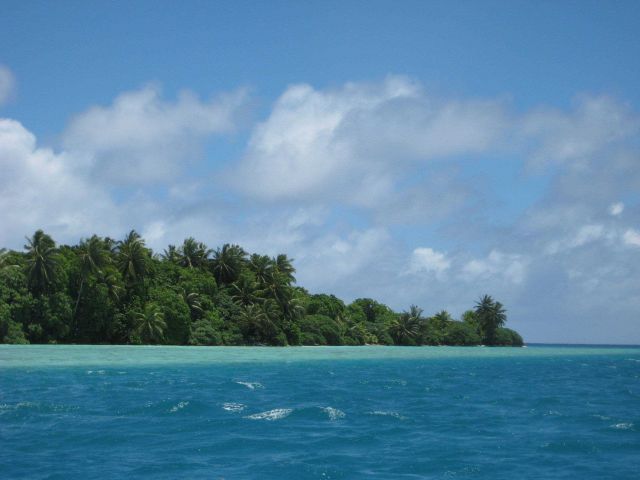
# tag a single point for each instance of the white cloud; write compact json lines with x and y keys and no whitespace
{"x":354,"y":143}
{"x":615,"y":209}
{"x":424,"y":259}
{"x":7,"y":84}
{"x":510,"y":267}
{"x":595,"y":123}
{"x":142,"y":138}
{"x":632,"y":237}
{"x":39,"y":189}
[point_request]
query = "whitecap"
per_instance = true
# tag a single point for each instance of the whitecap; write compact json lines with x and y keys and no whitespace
{"x":270,"y":415}
{"x":233,"y":407}
{"x":334,"y":413}
{"x":385,"y":413}
{"x":179,"y":406}
{"x":601,"y":417}
{"x":250,"y":385}
{"x":622,"y":426}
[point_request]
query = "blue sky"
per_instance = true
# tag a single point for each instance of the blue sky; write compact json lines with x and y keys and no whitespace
{"x":414,"y":152}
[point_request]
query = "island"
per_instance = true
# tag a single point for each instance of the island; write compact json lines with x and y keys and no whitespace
{"x":103,"y":291}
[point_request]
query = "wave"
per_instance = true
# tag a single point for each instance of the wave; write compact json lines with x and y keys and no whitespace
{"x":622,"y":426}
{"x":179,"y":406}
{"x":233,"y":407}
{"x":385,"y":413}
{"x":334,"y":413}
{"x":251,"y":385}
{"x":270,"y":415}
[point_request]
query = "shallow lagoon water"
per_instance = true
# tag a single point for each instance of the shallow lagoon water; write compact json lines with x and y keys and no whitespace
{"x":325,"y":412}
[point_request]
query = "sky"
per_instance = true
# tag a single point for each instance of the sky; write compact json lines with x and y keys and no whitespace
{"x":419,"y":152}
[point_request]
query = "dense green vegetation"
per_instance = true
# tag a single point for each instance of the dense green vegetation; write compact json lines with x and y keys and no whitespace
{"x":107,"y":291}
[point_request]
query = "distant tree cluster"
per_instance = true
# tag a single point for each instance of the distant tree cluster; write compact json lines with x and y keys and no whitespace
{"x":104,"y":291}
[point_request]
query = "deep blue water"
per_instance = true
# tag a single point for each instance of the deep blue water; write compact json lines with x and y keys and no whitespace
{"x":327,"y":413}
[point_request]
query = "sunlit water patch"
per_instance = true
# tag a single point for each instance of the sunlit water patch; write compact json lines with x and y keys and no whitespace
{"x":326,"y":413}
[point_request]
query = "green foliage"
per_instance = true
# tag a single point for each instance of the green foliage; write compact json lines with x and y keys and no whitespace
{"x":149,"y":325}
{"x":175,"y":312}
{"x":461,"y":333}
{"x":207,"y":331}
{"x":490,"y":316}
{"x":321,"y":330}
{"x":508,"y":338}
{"x":103,"y":291}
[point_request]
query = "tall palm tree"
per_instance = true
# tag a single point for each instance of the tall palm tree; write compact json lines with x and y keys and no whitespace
{"x":150,"y":324}
{"x":490,"y":315}
{"x":227,"y":263}
{"x":42,"y":261}
{"x":132,"y":257}
{"x":193,"y":254}
{"x":284,"y":266}
{"x":93,"y":257}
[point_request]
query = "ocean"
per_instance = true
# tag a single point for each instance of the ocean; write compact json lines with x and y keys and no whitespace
{"x":542,"y":412}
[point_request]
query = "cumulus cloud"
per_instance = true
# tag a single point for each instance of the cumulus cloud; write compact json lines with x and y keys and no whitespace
{"x":142,"y":139}
{"x":596,"y":123}
{"x":354,"y":143}
{"x":7,"y":84}
{"x":511,"y":267}
{"x":425,"y":259}
{"x":632,"y":237}
{"x":615,"y":209}
{"x":39,"y":189}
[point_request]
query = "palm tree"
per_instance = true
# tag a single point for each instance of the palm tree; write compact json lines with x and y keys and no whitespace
{"x":150,"y":324}
{"x":193,"y":302}
{"x":193,"y":254}
{"x":283,"y":265}
{"x":93,"y":256}
{"x":132,"y":258}
{"x":405,"y":327}
{"x":244,"y":292}
{"x":227,"y":263}
{"x":42,"y":261}
{"x":490,"y":315}
{"x":171,"y":254}
{"x":262,"y":267}
{"x":111,"y":279}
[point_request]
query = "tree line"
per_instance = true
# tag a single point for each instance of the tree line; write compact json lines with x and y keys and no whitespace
{"x":103,"y":291}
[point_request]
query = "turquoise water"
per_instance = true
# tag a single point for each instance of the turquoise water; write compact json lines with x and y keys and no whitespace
{"x":325,"y":413}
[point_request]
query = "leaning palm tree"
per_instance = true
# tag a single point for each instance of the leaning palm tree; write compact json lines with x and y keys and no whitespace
{"x":131,"y":258}
{"x":405,"y":326}
{"x":42,"y":261}
{"x":193,"y":302}
{"x":150,"y":324}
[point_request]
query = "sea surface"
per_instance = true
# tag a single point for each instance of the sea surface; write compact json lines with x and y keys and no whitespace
{"x":540,"y":412}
